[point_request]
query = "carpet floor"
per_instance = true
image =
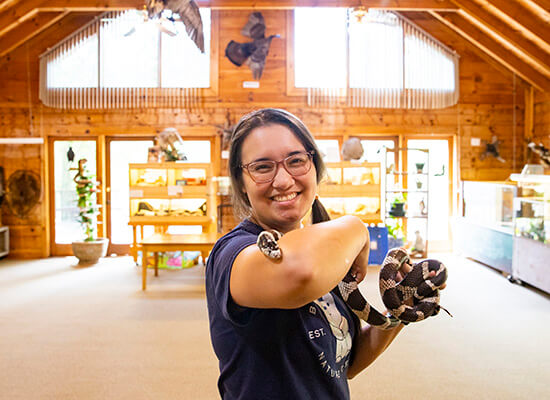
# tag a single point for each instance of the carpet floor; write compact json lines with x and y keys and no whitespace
{"x":68,"y":332}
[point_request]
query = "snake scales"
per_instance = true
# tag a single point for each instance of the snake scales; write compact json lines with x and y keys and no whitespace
{"x":417,"y":284}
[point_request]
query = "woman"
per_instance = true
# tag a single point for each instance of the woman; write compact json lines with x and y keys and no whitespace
{"x":277,"y":328}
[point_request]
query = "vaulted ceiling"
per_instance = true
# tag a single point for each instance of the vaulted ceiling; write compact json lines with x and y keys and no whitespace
{"x":514,"y":34}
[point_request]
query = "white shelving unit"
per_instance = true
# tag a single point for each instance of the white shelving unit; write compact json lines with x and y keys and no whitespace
{"x":413,"y":187}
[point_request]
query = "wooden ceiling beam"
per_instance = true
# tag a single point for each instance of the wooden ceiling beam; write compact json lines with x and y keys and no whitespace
{"x":404,"y":5}
{"x":503,"y":32}
{"x":537,"y":23}
{"x":27,"y":30}
{"x":16,"y":12}
{"x":494,"y":49}
{"x":7,"y":3}
{"x":544,"y":4}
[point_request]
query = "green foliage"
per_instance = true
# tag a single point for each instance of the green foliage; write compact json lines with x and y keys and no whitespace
{"x":536,"y":230}
{"x":395,"y":228}
{"x":86,"y":187}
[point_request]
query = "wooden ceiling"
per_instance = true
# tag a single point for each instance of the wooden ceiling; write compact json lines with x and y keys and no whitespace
{"x":513,"y":33}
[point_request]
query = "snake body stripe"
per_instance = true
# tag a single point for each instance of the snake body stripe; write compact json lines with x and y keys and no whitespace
{"x":417,"y":284}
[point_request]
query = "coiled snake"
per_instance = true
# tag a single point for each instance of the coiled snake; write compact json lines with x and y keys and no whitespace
{"x":417,"y":284}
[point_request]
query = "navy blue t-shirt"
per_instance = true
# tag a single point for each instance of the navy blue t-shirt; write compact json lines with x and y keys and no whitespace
{"x":302,"y":353}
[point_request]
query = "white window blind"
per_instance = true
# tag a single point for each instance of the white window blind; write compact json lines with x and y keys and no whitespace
{"x":120,"y":60}
{"x":382,"y":61}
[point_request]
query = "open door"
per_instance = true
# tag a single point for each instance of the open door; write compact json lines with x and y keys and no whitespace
{"x":63,"y":210}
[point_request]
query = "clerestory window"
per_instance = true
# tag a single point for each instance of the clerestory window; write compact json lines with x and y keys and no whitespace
{"x":122,"y":60}
{"x":370,"y":58}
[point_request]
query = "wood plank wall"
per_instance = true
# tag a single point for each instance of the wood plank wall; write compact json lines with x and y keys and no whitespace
{"x":486,"y":108}
{"x":541,"y":125}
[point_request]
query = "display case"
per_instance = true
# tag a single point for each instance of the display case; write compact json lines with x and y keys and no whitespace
{"x":171,"y":193}
{"x":484,"y":231}
{"x":352,"y":188}
{"x":532,"y":231}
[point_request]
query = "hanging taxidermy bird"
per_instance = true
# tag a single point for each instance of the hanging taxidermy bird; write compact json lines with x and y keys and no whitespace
{"x":188,"y":10}
{"x":352,"y":149}
{"x":491,"y":149}
{"x":543,"y":153}
{"x":252,"y":53}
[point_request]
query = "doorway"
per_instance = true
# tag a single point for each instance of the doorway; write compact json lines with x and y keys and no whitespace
{"x":65,"y":227}
{"x":440,"y":206}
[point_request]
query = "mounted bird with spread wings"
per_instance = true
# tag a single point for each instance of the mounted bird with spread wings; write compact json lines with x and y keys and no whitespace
{"x":252,"y":53}
{"x":188,"y":11}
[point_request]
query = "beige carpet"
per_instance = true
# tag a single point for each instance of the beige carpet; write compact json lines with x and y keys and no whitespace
{"x":91,"y":333}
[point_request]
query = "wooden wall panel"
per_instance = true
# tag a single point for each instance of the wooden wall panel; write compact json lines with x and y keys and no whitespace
{"x":486,"y":108}
{"x":542,"y":118}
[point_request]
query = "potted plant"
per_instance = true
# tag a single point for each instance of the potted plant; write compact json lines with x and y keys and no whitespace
{"x":419,"y":167}
{"x":91,"y":249}
{"x":397,"y":206}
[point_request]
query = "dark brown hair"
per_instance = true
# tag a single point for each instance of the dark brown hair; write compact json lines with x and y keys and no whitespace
{"x":260,"y":118}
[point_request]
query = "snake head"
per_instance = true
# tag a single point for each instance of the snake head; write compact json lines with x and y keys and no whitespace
{"x":396,"y":258}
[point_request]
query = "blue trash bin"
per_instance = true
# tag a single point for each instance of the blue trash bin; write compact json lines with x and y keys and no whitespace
{"x":378,"y":244}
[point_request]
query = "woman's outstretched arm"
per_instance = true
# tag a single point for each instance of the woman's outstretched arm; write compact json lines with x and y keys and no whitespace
{"x":315,"y":259}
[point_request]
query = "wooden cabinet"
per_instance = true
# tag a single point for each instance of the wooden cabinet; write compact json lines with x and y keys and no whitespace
{"x":352,"y":188}
{"x":171,"y":193}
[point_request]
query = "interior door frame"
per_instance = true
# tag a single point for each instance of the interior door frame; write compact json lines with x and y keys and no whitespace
{"x":64,"y":249}
{"x":115,"y":248}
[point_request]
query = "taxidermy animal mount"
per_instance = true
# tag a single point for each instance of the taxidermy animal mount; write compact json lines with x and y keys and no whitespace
{"x":168,"y":142}
{"x":226,"y":130}
{"x":352,"y":149}
{"x":491,"y":149}
{"x":252,"y":53}
{"x":188,"y":11}
{"x":543,"y":152}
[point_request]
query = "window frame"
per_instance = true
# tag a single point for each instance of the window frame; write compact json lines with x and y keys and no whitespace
{"x":292,"y":90}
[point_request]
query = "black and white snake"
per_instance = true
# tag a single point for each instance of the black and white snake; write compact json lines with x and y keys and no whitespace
{"x":417,"y":284}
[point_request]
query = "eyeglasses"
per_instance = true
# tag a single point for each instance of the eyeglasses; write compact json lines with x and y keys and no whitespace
{"x":265,"y":171}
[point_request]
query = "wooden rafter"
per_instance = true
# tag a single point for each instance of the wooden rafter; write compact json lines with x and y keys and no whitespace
{"x":28,"y":29}
{"x":15,"y":12}
{"x":530,"y":20}
{"x":501,"y":31}
{"x":494,"y":49}
{"x":544,"y":4}
{"x":404,"y":5}
{"x":7,"y":3}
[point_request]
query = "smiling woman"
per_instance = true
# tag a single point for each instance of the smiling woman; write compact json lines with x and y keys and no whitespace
{"x":277,"y":321}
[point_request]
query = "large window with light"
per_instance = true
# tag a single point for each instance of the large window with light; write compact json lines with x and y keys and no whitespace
{"x":372,"y":58}
{"x":124,"y":60}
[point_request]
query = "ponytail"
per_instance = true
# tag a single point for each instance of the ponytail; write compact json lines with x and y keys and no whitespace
{"x":318,"y":212}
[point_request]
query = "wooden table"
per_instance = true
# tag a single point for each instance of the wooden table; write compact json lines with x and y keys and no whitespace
{"x":165,"y":242}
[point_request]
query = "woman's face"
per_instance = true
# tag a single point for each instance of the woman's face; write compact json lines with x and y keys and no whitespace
{"x":282,"y":203}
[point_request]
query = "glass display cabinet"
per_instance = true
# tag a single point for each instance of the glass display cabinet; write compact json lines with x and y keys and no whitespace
{"x":532,"y":231}
{"x":164,"y":194}
{"x":484,"y":232}
{"x":352,"y":188}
